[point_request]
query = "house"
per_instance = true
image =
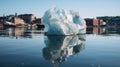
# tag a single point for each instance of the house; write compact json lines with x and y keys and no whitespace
{"x":18,"y":21}
{"x":28,"y":18}
{"x":94,"y":22}
{"x":39,"y":23}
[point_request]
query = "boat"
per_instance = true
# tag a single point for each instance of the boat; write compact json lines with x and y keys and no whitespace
{"x":6,"y":23}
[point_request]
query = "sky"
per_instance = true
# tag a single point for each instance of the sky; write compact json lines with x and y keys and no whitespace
{"x":86,"y":8}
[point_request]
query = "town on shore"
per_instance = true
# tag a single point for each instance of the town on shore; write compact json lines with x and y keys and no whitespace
{"x":22,"y":20}
{"x":30,"y":20}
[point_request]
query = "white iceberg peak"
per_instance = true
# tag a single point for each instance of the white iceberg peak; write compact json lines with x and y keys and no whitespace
{"x":63,"y":22}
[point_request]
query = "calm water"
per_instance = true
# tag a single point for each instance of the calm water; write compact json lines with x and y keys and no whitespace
{"x":21,"y":47}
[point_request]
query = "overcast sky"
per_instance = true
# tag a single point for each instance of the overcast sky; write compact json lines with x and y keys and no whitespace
{"x":86,"y":8}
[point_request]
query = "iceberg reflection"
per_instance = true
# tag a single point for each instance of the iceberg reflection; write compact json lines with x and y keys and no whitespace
{"x":59,"y":48}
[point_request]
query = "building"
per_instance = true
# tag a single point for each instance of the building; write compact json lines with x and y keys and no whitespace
{"x":23,"y":19}
{"x":2,"y":19}
{"x":28,"y":18}
{"x":94,"y":22}
{"x":38,"y":21}
{"x":18,"y":21}
{"x":14,"y":19}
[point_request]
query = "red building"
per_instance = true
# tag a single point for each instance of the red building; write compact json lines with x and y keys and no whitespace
{"x":94,"y":22}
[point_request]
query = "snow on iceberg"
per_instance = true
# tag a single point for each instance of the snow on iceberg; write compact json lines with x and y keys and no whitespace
{"x":63,"y":22}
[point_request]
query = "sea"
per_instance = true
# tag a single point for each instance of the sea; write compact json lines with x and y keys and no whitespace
{"x":29,"y":47}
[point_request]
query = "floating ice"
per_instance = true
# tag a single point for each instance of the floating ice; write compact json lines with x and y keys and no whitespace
{"x":63,"y":22}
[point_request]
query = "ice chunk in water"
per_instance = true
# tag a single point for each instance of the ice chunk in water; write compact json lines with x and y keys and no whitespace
{"x":63,"y":22}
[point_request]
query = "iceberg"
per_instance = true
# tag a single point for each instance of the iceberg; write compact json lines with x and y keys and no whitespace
{"x":63,"y":22}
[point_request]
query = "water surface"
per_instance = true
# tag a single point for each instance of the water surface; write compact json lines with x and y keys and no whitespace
{"x":21,"y":47}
